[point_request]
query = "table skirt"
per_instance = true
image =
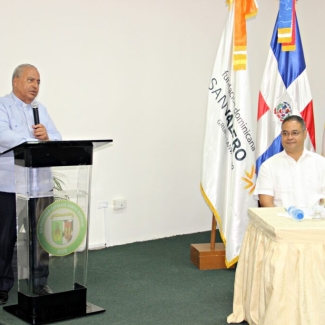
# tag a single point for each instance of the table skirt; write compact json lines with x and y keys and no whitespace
{"x":278,"y":282}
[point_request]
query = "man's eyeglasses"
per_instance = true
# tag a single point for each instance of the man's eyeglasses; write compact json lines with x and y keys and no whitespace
{"x":285,"y":134}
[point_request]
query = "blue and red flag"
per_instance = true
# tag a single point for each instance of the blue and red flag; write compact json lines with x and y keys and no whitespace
{"x":284,"y":91}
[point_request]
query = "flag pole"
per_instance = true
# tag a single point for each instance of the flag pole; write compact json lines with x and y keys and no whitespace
{"x":209,"y":256}
{"x":213,"y":232}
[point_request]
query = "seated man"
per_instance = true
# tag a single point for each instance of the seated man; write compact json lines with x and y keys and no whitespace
{"x":295,"y":176}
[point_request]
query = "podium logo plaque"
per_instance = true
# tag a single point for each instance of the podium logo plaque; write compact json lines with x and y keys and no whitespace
{"x":61,"y":228}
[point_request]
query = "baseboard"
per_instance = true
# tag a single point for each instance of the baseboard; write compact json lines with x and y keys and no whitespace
{"x":97,"y":246}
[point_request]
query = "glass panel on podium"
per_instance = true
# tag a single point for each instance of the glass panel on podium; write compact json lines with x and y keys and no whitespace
{"x":53,"y":181}
{"x":47,"y":240}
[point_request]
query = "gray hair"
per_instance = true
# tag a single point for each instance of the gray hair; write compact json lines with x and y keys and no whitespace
{"x":296,"y":118}
{"x":19,"y":70}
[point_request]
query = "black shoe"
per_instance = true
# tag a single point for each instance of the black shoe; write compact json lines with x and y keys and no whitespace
{"x":3,"y":297}
{"x":42,"y":290}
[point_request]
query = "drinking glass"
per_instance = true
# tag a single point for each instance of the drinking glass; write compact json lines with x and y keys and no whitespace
{"x":318,"y":209}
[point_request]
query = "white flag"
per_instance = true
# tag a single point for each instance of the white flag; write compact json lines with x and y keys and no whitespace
{"x":228,"y":168}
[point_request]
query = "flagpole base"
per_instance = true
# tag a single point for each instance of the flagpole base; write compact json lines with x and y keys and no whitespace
{"x":206,"y":258}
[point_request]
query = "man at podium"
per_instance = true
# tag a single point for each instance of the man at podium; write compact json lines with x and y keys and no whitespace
{"x":21,"y":120}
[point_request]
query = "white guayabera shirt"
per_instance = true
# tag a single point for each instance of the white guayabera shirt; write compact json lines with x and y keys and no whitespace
{"x":299,"y":183}
{"x":16,"y":120}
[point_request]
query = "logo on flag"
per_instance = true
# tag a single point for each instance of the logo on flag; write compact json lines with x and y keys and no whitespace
{"x":249,"y":180}
{"x":282,"y":111}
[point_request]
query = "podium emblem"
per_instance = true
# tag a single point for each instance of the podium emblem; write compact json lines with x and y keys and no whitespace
{"x":62,"y":228}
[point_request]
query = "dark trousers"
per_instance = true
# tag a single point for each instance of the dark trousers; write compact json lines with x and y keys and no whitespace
{"x":7,"y":239}
{"x":39,"y":259}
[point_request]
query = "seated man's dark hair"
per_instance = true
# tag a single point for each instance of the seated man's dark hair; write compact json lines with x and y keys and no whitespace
{"x":296,"y":118}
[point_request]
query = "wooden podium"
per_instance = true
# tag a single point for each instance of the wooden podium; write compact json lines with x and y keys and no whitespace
{"x":209,"y":256}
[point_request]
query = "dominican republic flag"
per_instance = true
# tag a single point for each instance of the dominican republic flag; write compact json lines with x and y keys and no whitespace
{"x":284,"y":91}
{"x":228,"y":166}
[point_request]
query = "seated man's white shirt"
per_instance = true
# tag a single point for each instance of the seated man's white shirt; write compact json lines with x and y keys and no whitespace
{"x":299,"y":183}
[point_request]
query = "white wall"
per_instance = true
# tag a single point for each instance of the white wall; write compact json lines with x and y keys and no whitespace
{"x":137,"y":71}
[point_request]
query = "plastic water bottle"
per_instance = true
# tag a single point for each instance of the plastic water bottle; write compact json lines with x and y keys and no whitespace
{"x":295,"y":213}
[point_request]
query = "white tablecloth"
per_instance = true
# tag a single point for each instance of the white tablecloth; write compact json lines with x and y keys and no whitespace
{"x":280,"y":276}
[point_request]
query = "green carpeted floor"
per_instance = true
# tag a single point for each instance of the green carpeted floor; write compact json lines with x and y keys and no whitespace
{"x":152,"y":283}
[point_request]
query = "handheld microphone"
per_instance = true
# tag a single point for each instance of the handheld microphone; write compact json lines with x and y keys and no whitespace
{"x":35,"y":112}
